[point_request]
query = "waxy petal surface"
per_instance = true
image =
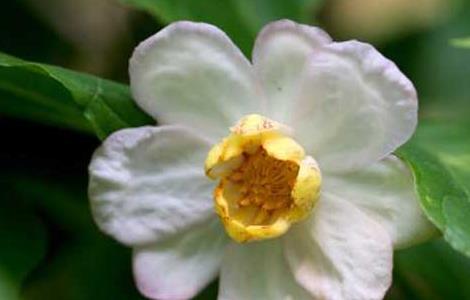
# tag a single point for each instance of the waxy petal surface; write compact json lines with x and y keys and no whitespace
{"x":340,"y":253}
{"x":385,"y":191}
{"x":280,"y":55}
{"x":354,"y":107}
{"x":148,"y":183}
{"x":192,"y":74}
{"x":179,"y":267}
{"x":258,"y":271}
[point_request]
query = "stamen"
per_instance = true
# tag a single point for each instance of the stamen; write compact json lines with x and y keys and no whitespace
{"x":264,"y":182}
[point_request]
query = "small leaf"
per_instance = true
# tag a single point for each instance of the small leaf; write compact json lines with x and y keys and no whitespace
{"x":461,"y":43}
{"x":432,"y":182}
{"x":66,"y":98}
{"x":439,"y":156}
{"x":240,"y":19}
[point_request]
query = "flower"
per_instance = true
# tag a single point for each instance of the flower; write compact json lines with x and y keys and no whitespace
{"x":266,"y":183}
{"x":299,"y":143}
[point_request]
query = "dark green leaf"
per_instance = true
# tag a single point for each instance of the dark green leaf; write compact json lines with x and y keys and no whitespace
{"x":82,"y":263}
{"x":431,"y":271}
{"x":22,"y":246}
{"x":240,"y":19}
{"x":62,"y":97}
{"x":440,"y":150}
{"x":85,"y":264}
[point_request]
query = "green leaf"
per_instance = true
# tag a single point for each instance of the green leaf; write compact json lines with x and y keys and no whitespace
{"x":432,"y":271}
{"x":22,"y":246}
{"x":82,"y":263}
{"x":442,"y":142}
{"x":439,"y":156}
{"x":461,"y":43}
{"x":65,"y":98}
{"x":240,"y":19}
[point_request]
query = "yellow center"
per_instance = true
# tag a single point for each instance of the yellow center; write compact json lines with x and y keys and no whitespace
{"x":266,"y":181}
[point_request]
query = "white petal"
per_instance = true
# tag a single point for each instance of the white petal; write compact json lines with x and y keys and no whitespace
{"x":355,"y":107}
{"x":385,"y":191}
{"x":279,"y":57}
{"x":339,"y":253}
{"x":148,"y":183}
{"x":178,"y":268}
{"x":257,"y":271}
{"x":192,"y":74}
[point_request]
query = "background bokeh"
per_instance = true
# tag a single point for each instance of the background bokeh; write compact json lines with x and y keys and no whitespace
{"x":49,"y":246}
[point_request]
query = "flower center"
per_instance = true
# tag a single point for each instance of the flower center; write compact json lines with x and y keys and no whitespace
{"x":266,"y":181}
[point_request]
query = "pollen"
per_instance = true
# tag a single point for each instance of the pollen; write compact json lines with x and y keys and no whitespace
{"x":266,"y":182}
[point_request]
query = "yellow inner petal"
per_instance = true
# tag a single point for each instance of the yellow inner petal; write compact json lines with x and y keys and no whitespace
{"x":263,"y":187}
{"x":266,"y":182}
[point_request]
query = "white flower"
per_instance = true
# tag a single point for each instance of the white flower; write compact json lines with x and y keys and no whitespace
{"x":303,"y":100}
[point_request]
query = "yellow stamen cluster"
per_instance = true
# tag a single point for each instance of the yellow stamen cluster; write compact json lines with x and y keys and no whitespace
{"x":266,"y":182}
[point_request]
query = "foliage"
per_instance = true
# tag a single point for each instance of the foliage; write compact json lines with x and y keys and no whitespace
{"x":240,"y":19}
{"x":85,"y":266}
{"x":460,"y":43}
{"x":22,"y":246}
{"x":49,"y":243}
{"x":439,"y":155}
{"x":431,"y":271}
{"x":65,"y":98}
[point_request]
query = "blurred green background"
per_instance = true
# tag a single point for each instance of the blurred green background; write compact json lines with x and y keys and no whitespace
{"x":49,"y":245}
